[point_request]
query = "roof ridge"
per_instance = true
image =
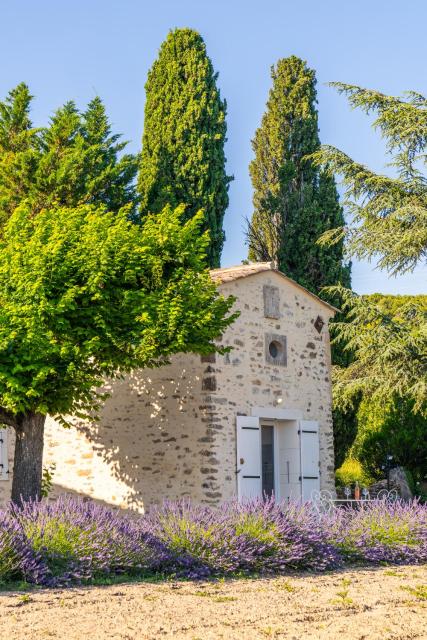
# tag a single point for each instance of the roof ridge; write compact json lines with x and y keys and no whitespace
{"x":245,"y":270}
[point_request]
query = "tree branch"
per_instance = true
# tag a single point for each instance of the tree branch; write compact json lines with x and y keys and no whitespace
{"x":7,"y":418}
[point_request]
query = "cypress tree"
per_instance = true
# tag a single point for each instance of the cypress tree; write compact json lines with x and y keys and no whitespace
{"x":294,"y":201}
{"x":183,"y":160}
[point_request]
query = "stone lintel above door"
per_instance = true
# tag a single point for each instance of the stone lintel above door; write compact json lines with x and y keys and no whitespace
{"x":276,"y":414}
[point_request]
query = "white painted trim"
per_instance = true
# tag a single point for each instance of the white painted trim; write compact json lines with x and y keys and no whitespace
{"x":276,"y":414}
{"x":276,"y":463}
{"x":265,"y":423}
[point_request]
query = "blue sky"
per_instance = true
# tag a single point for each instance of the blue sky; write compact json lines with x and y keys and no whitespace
{"x":76,"y":49}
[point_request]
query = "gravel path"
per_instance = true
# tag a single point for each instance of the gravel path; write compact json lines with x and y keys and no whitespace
{"x":381,"y":604}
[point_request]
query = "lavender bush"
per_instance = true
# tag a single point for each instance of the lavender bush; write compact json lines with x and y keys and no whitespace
{"x":276,"y":536}
{"x":18,"y":559}
{"x":257,"y":536}
{"x":80,"y":540}
{"x":71,"y":540}
{"x":381,"y":532}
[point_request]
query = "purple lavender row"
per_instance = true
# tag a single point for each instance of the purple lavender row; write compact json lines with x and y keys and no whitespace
{"x":73,"y":541}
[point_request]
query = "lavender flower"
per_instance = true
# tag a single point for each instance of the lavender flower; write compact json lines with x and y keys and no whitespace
{"x":69,"y":540}
{"x":381,"y":532}
{"x":18,"y":559}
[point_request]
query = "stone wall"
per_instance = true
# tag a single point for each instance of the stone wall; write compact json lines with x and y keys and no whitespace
{"x":170,"y":432}
{"x":245,"y":377}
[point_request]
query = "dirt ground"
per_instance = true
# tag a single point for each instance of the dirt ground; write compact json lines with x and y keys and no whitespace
{"x":377,"y":604}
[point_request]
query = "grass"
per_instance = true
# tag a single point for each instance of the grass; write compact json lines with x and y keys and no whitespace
{"x":269,"y":632}
{"x":285,"y":586}
{"x":419,"y":592}
{"x":104,"y":581}
{"x":24,"y":599}
{"x":392,"y":572}
{"x":215,"y":597}
{"x":343,"y":598}
{"x":224,"y":599}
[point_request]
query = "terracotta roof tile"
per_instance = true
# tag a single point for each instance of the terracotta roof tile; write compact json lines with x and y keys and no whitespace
{"x":240,"y":271}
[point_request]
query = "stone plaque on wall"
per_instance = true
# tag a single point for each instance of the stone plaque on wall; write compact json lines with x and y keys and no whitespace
{"x":271,"y":301}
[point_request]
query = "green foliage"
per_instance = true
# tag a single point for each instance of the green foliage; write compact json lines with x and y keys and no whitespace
{"x":388,"y":340}
{"x":183,"y":536}
{"x":345,"y":431}
{"x":47,"y":479}
{"x":392,"y":428}
{"x":85,"y":294}
{"x":183,"y":159}
{"x":419,"y":592}
{"x":384,"y":529}
{"x":351,"y":471}
{"x":60,"y":542}
{"x":294,"y":202}
{"x":254,"y":526}
{"x":343,"y":598}
{"x":73,"y":161}
{"x":389,"y":215}
{"x":387,"y":337}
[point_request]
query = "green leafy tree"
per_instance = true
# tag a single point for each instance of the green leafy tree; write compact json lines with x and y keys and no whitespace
{"x":294,"y":201}
{"x":380,"y":423}
{"x":84,"y":292}
{"x":87,"y":294}
{"x":75,"y":160}
{"x":345,"y":431}
{"x":389,"y":223}
{"x":389,"y":347}
{"x":183,"y":159}
{"x":391,"y":428}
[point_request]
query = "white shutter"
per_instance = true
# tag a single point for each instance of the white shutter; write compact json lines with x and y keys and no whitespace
{"x":310,"y":472}
{"x":289,"y":461}
{"x":248,"y":457}
{"x":3,"y":455}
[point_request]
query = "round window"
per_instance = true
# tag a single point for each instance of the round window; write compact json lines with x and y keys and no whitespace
{"x":274,"y":348}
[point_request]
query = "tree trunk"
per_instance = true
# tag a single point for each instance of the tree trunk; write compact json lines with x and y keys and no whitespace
{"x":28,"y":464}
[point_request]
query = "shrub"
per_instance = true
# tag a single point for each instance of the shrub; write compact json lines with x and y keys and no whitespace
{"x":282,"y":535}
{"x":351,"y":471}
{"x":394,"y":428}
{"x":197,"y":538}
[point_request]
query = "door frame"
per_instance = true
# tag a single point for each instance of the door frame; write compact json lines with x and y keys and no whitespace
{"x":272,"y":423}
{"x":273,"y":414}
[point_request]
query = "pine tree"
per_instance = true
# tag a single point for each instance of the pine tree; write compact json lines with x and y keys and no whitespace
{"x":74,"y":160}
{"x":294,"y":201}
{"x":183,"y":160}
{"x":389,"y":224}
{"x":19,"y":150}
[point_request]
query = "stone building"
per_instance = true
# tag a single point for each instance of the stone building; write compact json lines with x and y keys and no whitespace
{"x":257,"y":419}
